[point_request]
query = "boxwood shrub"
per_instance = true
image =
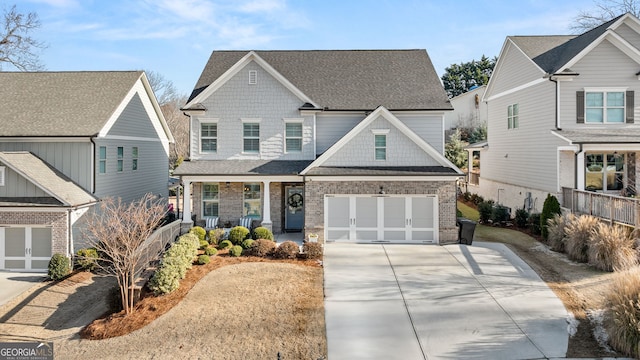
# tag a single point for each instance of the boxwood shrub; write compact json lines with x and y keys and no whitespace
{"x":262,"y":233}
{"x":59,"y":267}
{"x":235,"y":250}
{"x":238,"y":234}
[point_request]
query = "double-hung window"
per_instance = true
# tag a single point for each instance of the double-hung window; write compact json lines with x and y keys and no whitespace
{"x":134,"y":158}
{"x":208,"y":137}
{"x":293,"y":136}
{"x":102,"y":160}
{"x":120,"y":162}
{"x":210,"y":199}
{"x":604,"y":107}
{"x":512,"y":116}
{"x":252,"y":200}
{"x":380,"y":144}
{"x":251,"y":137}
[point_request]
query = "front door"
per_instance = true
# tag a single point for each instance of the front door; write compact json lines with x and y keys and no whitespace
{"x":294,"y":208}
{"x":25,"y":248}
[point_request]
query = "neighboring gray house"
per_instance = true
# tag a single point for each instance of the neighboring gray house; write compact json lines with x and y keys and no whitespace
{"x":469,"y":111}
{"x":346,"y":144}
{"x":562,"y":121}
{"x":68,"y":139}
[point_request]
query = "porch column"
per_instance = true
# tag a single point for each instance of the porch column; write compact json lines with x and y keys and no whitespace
{"x":469,"y":165}
{"x":580,"y":171}
{"x":266,"y":211}
{"x":186,"y":212}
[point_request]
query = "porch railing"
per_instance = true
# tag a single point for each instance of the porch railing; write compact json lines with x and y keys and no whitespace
{"x":474,"y":178}
{"x":157,"y":242}
{"x":613,"y":208}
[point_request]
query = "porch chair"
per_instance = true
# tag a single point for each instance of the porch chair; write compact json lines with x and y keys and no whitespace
{"x":246,"y":222}
{"x":211,"y":222}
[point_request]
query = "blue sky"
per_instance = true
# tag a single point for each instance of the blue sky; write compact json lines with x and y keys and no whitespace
{"x":176,"y":37}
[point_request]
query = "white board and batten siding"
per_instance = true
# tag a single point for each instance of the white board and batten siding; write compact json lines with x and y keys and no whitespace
{"x":16,"y":185}
{"x":267,"y":102}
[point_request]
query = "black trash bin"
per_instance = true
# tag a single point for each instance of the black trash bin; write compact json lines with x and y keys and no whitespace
{"x":465,"y":231}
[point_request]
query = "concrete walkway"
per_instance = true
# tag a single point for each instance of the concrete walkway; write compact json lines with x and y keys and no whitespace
{"x":438,"y":302}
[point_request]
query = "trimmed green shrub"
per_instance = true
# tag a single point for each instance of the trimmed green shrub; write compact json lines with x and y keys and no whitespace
{"x":262,"y":233}
{"x":287,"y":250}
{"x":622,"y":314}
{"x":521,"y":218}
{"x":215,"y":236}
{"x":485,"y":209}
{"x":262,"y":248}
{"x":578,"y":231}
{"x":225,"y":244}
{"x":500,"y":214}
{"x":235,"y":250}
{"x":87,"y":259}
{"x":312,"y":250}
{"x":247,"y":243}
{"x":534,"y":223}
{"x":165,"y":280}
{"x":550,"y":208}
{"x":458,"y":213}
{"x":211,"y":251}
{"x":59,"y":267}
{"x":204,"y":244}
{"x":203,"y":259}
{"x":466,"y":196}
{"x":611,"y":248}
{"x":199,"y":231}
{"x":238,"y":234}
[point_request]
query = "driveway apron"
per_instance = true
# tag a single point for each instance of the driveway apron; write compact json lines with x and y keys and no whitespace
{"x":438,"y":302}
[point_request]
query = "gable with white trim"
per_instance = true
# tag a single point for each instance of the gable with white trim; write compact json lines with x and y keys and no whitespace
{"x":513,"y":69}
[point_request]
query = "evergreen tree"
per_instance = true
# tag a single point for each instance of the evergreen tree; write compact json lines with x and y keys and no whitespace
{"x":460,"y":78}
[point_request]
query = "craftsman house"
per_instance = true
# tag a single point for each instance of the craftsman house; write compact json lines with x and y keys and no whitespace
{"x":344,"y":144}
{"x":68,"y":139}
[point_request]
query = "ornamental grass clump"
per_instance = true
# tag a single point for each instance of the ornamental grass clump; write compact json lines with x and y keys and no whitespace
{"x":312,"y":250}
{"x":287,"y":250}
{"x":622,"y":314}
{"x":611,"y":248}
{"x":215,"y":236}
{"x":262,"y":248}
{"x":578,"y":231}
{"x":556,"y":231}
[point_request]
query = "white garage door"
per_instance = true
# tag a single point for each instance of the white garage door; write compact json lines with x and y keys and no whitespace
{"x":25,"y":248}
{"x":376,"y":218}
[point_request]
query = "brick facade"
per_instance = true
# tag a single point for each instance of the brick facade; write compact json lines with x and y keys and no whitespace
{"x":58,"y":221}
{"x":445,"y":190}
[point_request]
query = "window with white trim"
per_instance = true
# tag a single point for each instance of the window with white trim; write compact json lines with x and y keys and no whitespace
{"x":251,"y":137}
{"x":512,"y":116}
{"x":293,"y":137}
{"x":252,"y":201}
{"x":2,"y":172}
{"x":380,"y":146}
{"x":210,"y":199}
{"x":102,"y":160}
{"x":134,"y":158}
{"x":120,"y":159}
{"x":604,"y":171}
{"x":253,"y":77}
{"x":604,"y":107}
{"x":208,"y":137}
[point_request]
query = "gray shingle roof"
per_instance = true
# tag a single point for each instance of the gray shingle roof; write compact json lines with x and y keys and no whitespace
{"x":242,"y":167}
{"x":61,"y":103}
{"x":553,"y":52}
{"x":383,"y":171}
{"x":348,"y":79}
{"x":46,"y":177}
{"x":601,"y":136}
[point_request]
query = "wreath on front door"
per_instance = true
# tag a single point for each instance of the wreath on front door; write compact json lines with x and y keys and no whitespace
{"x":295,"y":202}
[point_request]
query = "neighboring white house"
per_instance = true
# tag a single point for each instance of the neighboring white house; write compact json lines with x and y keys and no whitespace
{"x":346,"y":144}
{"x":469,"y":111}
{"x":68,"y":139}
{"x":561,"y":119}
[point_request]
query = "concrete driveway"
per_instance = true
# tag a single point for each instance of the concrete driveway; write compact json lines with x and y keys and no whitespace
{"x":438,"y":302}
{"x":13,"y":284}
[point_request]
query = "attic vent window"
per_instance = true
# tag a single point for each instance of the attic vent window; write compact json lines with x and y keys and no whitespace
{"x":253,"y":77}
{"x":2,"y":175}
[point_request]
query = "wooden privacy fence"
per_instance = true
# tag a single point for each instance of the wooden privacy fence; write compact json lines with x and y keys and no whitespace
{"x":616,"y":209}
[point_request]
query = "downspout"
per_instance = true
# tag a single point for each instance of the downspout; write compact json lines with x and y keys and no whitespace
{"x":557,"y":114}
{"x":93,"y":164}
{"x":69,"y":233}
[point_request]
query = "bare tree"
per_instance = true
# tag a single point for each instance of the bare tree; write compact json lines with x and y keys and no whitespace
{"x":163,"y":88}
{"x":118,"y":231}
{"x":606,"y":10}
{"x":17,"y":47}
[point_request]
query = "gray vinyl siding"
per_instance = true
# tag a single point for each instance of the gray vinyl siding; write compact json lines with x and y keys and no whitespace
{"x":400,"y":150}
{"x":526,"y":156}
{"x":331,"y":128}
{"x":15,"y":185}
{"x":151,"y":177}
{"x":629,"y":34}
{"x":133,"y":121}
{"x":515,"y":70}
{"x":605,"y":66}
{"x":428,"y":127}
{"x":71,"y":158}
{"x":269,"y":101}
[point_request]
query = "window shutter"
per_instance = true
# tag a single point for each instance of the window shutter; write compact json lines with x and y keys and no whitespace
{"x":580,"y":107}
{"x":630,"y":107}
